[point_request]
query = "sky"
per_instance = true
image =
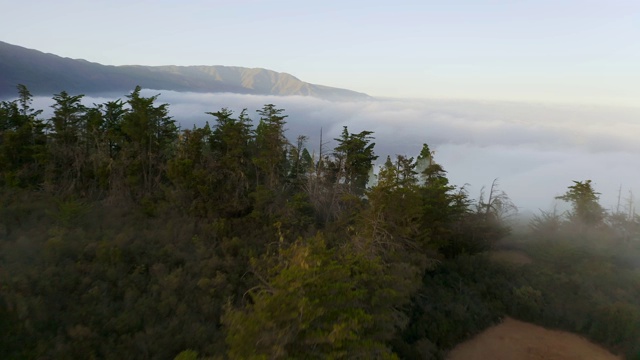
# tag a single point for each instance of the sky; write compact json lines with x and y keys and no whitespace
{"x":551,"y":51}
{"x":534,"y":93}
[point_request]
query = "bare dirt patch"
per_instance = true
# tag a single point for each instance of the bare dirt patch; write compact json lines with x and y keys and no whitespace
{"x":516,"y":340}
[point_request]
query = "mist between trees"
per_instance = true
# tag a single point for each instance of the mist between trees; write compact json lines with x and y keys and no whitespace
{"x":534,"y":149}
{"x":125,"y":236}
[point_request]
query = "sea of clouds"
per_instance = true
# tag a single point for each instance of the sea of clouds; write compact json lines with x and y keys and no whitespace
{"x":534,"y":150}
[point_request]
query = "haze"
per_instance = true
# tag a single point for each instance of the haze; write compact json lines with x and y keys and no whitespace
{"x":535,"y":93}
{"x":534,"y":150}
{"x":571,"y":51}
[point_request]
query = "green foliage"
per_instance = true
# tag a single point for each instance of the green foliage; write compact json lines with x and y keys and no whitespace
{"x":270,"y":146}
{"x":123,"y":237}
{"x":68,"y":119}
{"x":315,"y":303}
{"x":187,"y":355}
{"x":390,"y":226}
{"x":231,"y":143}
{"x":112,"y":114}
{"x":116,"y":285}
{"x":577,"y":284}
{"x":546,"y":223}
{"x":149,"y":133}
{"x":481,"y":228}
{"x":69,"y":211}
{"x":569,"y":287}
{"x":617,"y":323}
{"x":584,"y":202}
{"x":354,"y":158}
{"x":458,"y":299}
{"x":447,"y":215}
{"x":22,"y":142}
{"x":527,"y":302}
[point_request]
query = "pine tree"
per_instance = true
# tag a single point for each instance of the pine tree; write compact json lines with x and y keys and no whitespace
{"x":354,"y":159}
{"x":271,"y":147}
{"x":231,"y":142}
{"x":584,"y":202}
{"x":22,"y":142}
{"x":316,"y":302}
{"x":149,"y":135}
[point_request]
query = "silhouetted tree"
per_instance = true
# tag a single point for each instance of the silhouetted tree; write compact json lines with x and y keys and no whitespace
{"x":270,"y":147}
{"x":584,"y":203}
{"x":149,"y":134}
{"x":354,"y":158}
{"x":22,"y":142}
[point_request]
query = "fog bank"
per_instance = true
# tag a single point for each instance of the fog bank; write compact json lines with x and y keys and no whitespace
{"x":535,"y":150}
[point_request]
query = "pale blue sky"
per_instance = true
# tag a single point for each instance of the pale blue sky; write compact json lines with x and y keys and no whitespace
{"x":579,"y":51}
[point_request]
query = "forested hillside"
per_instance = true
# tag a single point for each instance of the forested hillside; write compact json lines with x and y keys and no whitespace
{"x":46,"y":73}
{"x":124,"y":236}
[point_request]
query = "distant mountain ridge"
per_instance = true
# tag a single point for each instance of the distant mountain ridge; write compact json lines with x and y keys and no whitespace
{"x":48,"y":74}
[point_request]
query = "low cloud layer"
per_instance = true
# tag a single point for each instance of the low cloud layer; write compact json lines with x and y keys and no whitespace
{"x":535,"y":150}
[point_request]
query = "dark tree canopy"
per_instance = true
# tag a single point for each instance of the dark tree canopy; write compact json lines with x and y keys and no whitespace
{"x":584,"y":203}
{"x":123,"y":236}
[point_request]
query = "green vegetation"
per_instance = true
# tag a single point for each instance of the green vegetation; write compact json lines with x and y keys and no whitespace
{"x":122,"y":236}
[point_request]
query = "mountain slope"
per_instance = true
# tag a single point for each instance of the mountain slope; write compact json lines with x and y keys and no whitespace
{"x":46,"y":74}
